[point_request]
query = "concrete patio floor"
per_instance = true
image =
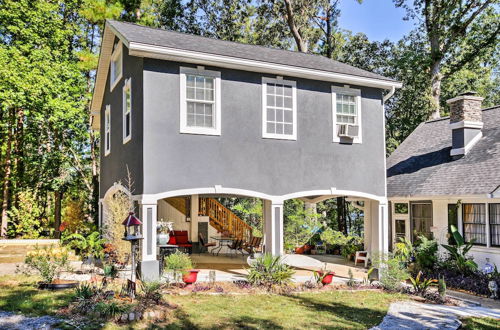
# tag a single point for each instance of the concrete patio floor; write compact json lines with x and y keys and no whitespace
{"x":234,"y":267}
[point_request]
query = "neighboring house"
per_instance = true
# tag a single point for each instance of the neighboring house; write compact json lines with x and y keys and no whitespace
{"x":194,"y":118}
{"x":447,"y":173}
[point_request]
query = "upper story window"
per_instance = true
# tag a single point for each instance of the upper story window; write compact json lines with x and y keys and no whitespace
{"x":116,"y":64}
{"x":127,"y":111}
{"x":279,"y":113}
{"x":474,"y":223}
{"x":200,"y":101}
{"x":346,"y":106}
{"x":107,"y":130}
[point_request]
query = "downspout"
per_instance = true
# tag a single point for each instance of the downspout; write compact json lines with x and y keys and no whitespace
{"x":389,"y":95}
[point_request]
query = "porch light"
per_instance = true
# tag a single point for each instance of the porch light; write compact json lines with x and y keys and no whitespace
{"x":132,"y":224}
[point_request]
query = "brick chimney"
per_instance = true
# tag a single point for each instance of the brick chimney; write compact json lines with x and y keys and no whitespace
{"x":466,"y":122}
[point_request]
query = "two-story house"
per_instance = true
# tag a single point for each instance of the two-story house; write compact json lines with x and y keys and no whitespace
{"x":194,"y":118}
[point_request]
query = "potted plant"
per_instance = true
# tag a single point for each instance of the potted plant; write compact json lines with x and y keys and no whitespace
{"x":324,"y":276}
{"x":164,"y":230}
{"x":50,"y":262}
{"x":190,"y":276}
{"x":179,"y":264}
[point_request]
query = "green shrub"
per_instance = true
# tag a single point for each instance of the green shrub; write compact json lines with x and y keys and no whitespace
{"x":269,"y":270}
{"x":151,"y":290}
{"x":421,"y":285}
{"x":86,"y":291}
{"x":348,"y":244}
{"x":178,"y":263}
{"x":48,"y":261}
{"x":426,"y":253}
{"x":392,"y":273}
{"x":110,"y":309}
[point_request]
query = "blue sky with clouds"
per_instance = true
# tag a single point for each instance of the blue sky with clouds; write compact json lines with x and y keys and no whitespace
{"x":378,"y":19}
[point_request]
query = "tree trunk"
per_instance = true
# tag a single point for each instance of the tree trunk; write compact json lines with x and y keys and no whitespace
{"x":436,"y":78}
{"x":6,"y":181}
{"x":58,"y":195}
{"x":301,"y":44}
{"x":329,"y":33}
{"x":94,"y":194}
{"x":341,"y":215}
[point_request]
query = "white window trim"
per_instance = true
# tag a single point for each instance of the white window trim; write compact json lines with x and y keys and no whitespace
{"x":291,"y":83}
{"x":349,"y":91}
{"x":107,"y":127}
{"x":116,"y":53}
{"x":127,"y":86}
{"x":184,"y":128}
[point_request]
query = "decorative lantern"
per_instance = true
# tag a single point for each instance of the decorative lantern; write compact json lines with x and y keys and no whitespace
{"x":132,"y":224}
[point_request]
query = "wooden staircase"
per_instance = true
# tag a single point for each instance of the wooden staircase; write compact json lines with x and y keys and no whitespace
{"x":221,"y":218}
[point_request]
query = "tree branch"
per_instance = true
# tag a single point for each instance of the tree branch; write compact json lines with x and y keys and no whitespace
{"x":293,"y":27}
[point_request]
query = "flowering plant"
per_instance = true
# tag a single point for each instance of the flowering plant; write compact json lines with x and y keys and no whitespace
{"x":48,"y":261}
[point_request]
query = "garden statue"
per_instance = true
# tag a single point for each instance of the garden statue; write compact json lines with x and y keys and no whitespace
{"x":493,"y":287}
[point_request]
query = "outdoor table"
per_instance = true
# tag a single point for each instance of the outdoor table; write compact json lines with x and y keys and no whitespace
{"x":223,"y":241}
{"x":166,"y":250}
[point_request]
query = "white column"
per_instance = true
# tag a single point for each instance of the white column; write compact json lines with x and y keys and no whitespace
{"x":379,"y":226}
{"x":194,"y":217}
{"x":149,"y":218}
{"x":273,"y":222}
{"x":367,"y":239}
{"x":384,"y":226}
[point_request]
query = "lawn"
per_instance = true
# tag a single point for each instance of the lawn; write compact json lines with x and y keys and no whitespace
{"x":477,"y":323}
{"x":332,"y":309}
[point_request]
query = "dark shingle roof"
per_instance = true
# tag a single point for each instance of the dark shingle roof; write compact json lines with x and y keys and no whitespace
{"x":183,"y":41}
{"x":422,"y":165}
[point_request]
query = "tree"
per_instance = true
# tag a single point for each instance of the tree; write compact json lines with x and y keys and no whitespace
{"x":457,"y":32}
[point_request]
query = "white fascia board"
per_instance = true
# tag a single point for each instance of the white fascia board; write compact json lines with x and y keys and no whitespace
{"x":467,"y":124}
{"x":167,"y":53}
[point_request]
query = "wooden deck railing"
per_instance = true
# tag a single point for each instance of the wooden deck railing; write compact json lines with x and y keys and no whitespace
{"x":225,"y":219}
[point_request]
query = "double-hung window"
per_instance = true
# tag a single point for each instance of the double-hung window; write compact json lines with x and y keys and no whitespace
{"x":474,"y":223}
{"x":494,"y":218}
{"x":279,"y":113}
{"x":346,"y":114}
{"x":200,"y":101}
{"x":116,"y":64}
{"x":127,"y":111}
{"x":107,"y":130}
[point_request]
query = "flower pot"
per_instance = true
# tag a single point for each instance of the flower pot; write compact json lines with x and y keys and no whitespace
{"x":162,"y":239}
{"x":299,"y":250}
{"x":328,"y":278}
{"x":58,"y":285}
{"x":191,"y":276}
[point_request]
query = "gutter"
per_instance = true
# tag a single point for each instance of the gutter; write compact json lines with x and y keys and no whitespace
{"x":389,"y":95}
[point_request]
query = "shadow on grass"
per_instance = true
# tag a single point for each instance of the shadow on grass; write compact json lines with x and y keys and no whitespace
{"x":26,"y":298}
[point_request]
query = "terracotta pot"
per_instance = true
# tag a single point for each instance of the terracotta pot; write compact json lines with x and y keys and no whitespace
{"x":299,"y":250}
{"x":191,"y":276}
{"x":328,"y":278}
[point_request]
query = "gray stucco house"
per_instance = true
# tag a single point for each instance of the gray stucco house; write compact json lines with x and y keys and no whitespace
{"x":447,"y":173}
{"x":193,"y":118}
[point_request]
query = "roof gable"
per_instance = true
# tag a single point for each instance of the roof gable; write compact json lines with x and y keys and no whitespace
{"x":422,"y":165}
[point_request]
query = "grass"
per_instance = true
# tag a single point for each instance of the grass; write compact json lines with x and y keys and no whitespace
{"x":332,"y":310}
{"x":323,"y":310}
{"x":483,"y":323}
{"x":20,"y":294}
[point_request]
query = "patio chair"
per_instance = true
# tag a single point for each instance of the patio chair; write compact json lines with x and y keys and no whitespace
{"x":361,"y":256}
{"x":204,"y":244}
{"x":236,"y":246}
{"x":182,"y":240}
{"x":254,"y":245}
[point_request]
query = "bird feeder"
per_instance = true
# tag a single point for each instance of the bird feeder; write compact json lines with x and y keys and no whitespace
{"x":133,"y":235}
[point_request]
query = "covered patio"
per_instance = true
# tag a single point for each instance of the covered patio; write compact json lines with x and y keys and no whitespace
{"x":233,"y":268}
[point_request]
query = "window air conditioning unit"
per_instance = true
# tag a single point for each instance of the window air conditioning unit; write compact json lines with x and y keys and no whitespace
{"x":348,"y":131}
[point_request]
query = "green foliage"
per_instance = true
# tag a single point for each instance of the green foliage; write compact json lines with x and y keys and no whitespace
{"x":442,"y":287}
{"x":426,"y":253}
{"x":392,"y":273}
{"x":85,"y":291}
{"x":111,"y":309}
{"x":348,"y":244}
{"x":48,"y":261}
{"x":110,"y":270}
{"x":458,"y":253}
{"x":151,"y":290}
{"x":178,"y":263}
{"x":268,"y":270}
{"x":89,"y":246}
{"x":404,"y":250}
{"x":300,"y":224}
{"x":421,"y":285}
{"x":27,"y":217}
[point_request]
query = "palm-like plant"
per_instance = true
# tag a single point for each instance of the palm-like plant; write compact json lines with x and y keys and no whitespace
{"x":420,"y":285}
{"x":269,"y":270}
{"x":458,"y":252}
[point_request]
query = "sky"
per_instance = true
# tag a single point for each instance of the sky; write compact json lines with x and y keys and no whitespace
{"x":378,"y":19}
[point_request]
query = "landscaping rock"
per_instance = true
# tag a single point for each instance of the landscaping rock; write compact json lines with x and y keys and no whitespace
{"x":20,"y":322}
